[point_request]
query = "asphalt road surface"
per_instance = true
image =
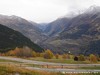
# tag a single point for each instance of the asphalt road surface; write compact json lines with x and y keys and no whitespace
{"x":65,"y":70}
{"x":55,"y":64}
{"x":44,"y":63}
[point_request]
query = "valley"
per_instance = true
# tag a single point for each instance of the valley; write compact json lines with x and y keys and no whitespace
{"x":77,"y":34}
{"x":65,"y":46}
{"x":46,"y":67}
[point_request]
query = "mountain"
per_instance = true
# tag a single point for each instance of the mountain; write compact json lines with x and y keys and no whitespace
{"x":56,"y":26}
{"x":42,"y":26}
{"x":81,"y":34}
{"x":10,"y":39}
{"x":25,"y":27}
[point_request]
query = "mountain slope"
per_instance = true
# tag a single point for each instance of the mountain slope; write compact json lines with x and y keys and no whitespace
{"x":25,"y":27}
{"x":56,"y":26}
{"x":9,"y":39}
{"x":82,"y":35}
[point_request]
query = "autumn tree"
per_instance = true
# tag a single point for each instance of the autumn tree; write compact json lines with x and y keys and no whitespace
{"x":81,"y":58}
{"x":42,"y":54}
{"x":57,"y":56}
{"x":10,"y":53}
{"x":93,"y":58}
{"x":38,"y":54}
{"x":48,"y":54}
{"x":64,"y":56}
{"x":18,"y":52}
{"x":34,"y":54}
{"x":68,"y":56}
{"x":23,"y":52}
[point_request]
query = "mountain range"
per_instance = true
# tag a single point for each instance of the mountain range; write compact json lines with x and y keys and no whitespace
{"x":10,"y":39}
{"x":79,"y":34}
{"x":27,"y":28}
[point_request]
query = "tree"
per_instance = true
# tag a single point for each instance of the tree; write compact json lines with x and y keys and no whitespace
{"x":81,"y":58}
{"x":93,"y":58}
{"x":75,"y":58}
{"x":18,"y":52}
{"x":64,"y":56}
{"x":42,"y":54}
{"x":34,"y":54}
{"x":23,"y":52}
{"x":10,"y":53}
{"x":68,"y":56}
{"x":27,"y":51}
{"x":57,"y":56}
{"x":38,"y":54}
{"x":48,"y":54}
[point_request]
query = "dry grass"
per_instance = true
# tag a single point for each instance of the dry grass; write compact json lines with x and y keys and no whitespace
{"x":12,"y":70}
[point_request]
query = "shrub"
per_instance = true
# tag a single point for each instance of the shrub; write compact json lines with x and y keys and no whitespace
{"x":57,"y":56}
{"x":34,"y":54}
{"x":48,"y":54}
{"x":22,"y":52}
{"x":42,"y":54}
{"x":64,"y":56}
{"x":93,"y":58}
{"x":75,"y":58}
{"x":81,"y":58}
{"x":68,"y":56}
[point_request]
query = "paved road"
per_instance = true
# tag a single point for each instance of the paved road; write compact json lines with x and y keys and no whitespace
{"x":65,"y":70}
{"x":44,"y":63}
{"x":54,"y":70}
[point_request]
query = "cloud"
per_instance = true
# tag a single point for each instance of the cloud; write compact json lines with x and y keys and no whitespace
{"x":43,"y":10}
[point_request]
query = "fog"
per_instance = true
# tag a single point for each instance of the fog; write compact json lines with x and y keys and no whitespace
{"x":44,"y":10}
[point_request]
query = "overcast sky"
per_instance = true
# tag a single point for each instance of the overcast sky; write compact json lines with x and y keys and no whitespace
{"x":43,"y":10}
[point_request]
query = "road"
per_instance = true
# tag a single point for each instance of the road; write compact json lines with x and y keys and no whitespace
{"x":65,"y":70}
{"x":55,"y":64}
{"x":44,"y":63}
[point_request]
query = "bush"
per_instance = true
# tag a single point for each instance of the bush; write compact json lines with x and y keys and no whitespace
{"x":64,"y":56}
{"x":42,"y":54}
{"x":21,"y":52}
{"x":81,"y":58}
{"x":34,"y":54}
{"x":48,"y":54}
{"x":93,"y":58}
{"x":57,"y":56}
{"x":75,"y":58}
{"x":68,"y":56}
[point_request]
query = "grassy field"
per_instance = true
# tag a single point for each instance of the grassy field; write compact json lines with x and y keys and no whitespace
{"x":3,"y":60}
{"x":13,"y":70}
{"x":60,"y":60}
{"x":93,"y":68}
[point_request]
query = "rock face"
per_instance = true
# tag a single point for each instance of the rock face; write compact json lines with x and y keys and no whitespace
{"x":10,"y":39}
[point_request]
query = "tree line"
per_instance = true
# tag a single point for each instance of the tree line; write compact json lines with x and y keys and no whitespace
{"x":48,"y":54}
